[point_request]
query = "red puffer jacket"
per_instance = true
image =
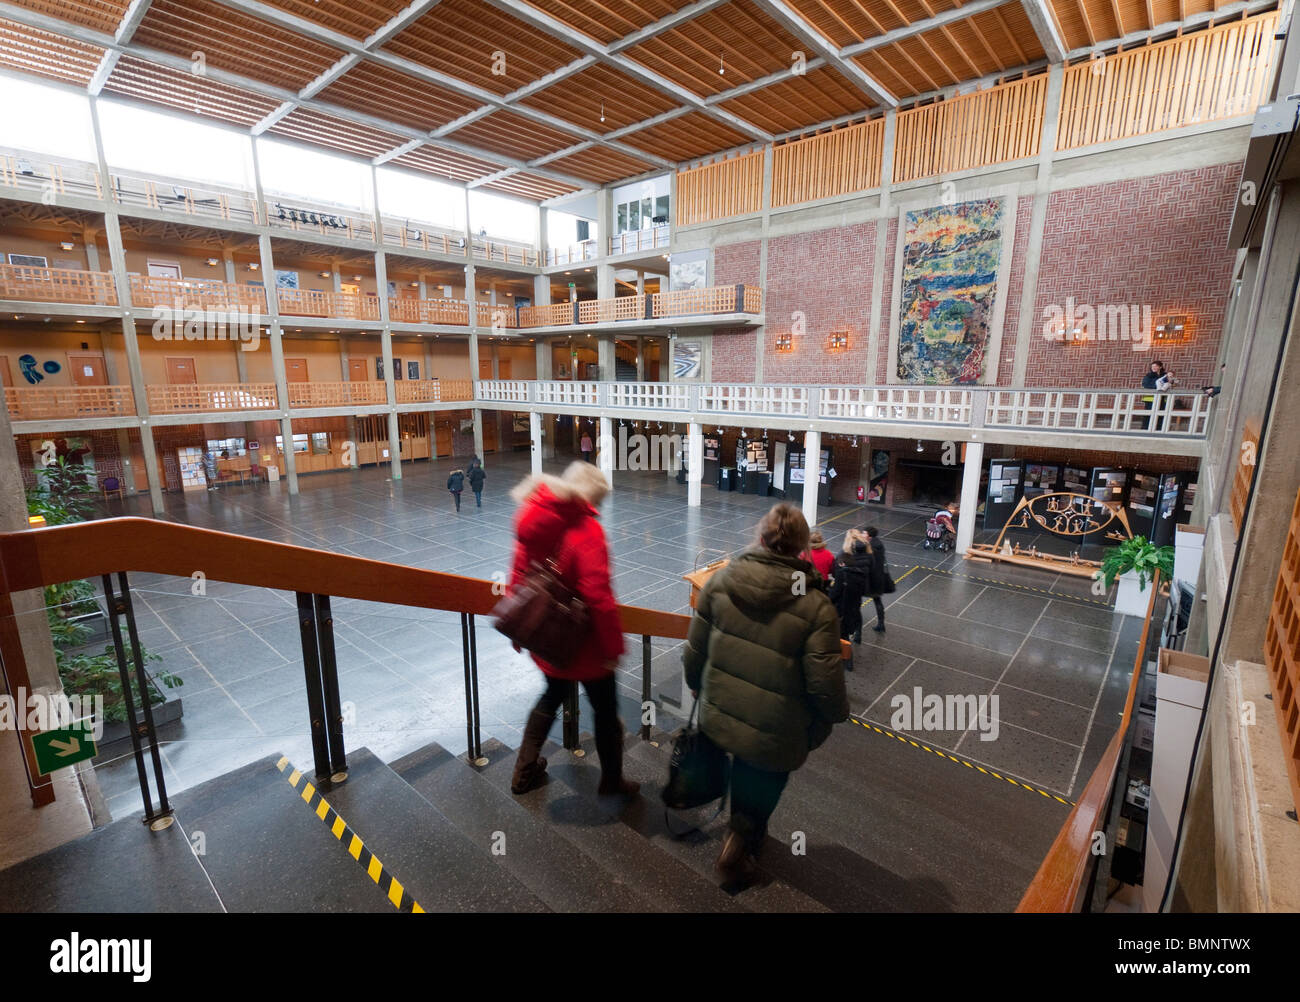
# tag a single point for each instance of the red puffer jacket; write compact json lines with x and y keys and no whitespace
{"x":568,"y":528}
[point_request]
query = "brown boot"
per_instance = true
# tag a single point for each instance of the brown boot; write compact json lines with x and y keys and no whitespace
{"x":609,"y":749}
{"x":734,"y":860}
{"x":530,"y":766}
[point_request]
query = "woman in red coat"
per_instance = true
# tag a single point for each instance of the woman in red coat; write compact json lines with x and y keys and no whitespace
{"x":557,"y":519}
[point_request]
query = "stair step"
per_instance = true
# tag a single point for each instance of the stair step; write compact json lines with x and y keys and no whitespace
{"x":441,"y":868}
{"x":698,"y":850}
{"x":543,"y":861}
{"x":592,"y":824}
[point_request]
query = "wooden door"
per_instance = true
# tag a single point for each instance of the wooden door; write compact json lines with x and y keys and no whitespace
{"x":489,"y":432}
{"x":442,"y":438}
{"x":180,"y":371}
{"x":503,"y":368}
{"x":485,"y":368}
{"x":87,"y":370}
{"x":295,"y":370}
{"x":358,"y":370}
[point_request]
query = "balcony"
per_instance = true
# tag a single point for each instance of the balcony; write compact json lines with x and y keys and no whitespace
{"x":452,"y":312}
{"x":652,"y":238}
{"x":41,"y":404}
{"x":411,"y":234}
{"x":196,"y":293}
{"x":327,"y":305}
{"x":573,"y":254}
{"x":433,"y":391}
{"x":361,"y":392}
{"x":1179,"y":420}
{"x":200,"y":202}
{"x":501,"y":251}
{"x":56,"y":285}
{"x":212,"y":398}
{"x":291,"y":213}
{"x":53,"y":176}
{"x":716,"y":301}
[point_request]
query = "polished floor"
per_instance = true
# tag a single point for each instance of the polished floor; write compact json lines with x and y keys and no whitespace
{"x":1053,"y":653}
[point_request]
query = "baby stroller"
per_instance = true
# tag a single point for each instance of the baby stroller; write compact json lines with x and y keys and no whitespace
{"x":937,"y":536}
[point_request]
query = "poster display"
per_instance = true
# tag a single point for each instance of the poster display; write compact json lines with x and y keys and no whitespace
{"x":879,"y":482}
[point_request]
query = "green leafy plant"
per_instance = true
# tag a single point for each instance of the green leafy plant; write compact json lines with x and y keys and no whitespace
{"x":98,"y":675}
{"x":1141,"y":556}
{"x":63,"y":493}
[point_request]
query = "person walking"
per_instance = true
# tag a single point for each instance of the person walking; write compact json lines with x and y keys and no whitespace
{"x":878,"y":550}
{"x":819,"y":556}
{"x":456,"y":484}
{"x":763,"y":659}
{"x":210,"y":469}
{"x":856,"y":574}
{"x":586,"y":447}
{"x":557,"y":520}
{"x":476,"y":478}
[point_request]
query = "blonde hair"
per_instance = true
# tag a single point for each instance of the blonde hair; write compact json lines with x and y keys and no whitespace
{"x":579,"y":480}
{"x":784,"y":531}
{"x":854,"y":536}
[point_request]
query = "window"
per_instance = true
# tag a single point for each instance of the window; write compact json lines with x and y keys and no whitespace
{"x":193,"y":149}
{"x":300,"y":443}
{"x":320,"y":443}
{"x":28,"y":260}
{"x":233,"y":446}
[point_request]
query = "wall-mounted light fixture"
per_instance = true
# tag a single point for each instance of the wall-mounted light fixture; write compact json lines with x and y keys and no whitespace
{"x":213,"y":262}
{"x":1061,"y":334}
{"x":66,"y":244}
{"x":1172,"y":329}
{"x":919,"y":446}
{"x":837,"y":341}
{"x":324,"y":274}
{"x":253,"y":266}
{"x":785,"y":343}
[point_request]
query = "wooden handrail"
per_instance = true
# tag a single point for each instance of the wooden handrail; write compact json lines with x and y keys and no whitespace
{"x":1064,"y":870}
{"x":34,"y":558}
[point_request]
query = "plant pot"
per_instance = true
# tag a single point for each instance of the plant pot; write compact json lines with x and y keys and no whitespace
{"x":95,"y":624}
{"x":116,"y":740}
{"x":1130,"y":599}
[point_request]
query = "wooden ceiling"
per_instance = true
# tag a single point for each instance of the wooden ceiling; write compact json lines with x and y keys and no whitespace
{"x":542,"y":98}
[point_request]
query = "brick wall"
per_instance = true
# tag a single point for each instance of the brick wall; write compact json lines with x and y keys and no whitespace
{"x":734,"y":350}
{"x":1015,"y":289}
{"x":105,"y":455}
{"x":886,"y":300}
{"x":1157,"y":241}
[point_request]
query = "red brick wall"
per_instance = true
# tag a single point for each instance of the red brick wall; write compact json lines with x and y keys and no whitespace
{"x":1015,"y":289}
{"x":1158,"y":241}
{"x":737,"y":264}
{"x":826,"y":275}
{"x":886,"y":300}
{"x":734,"y":351}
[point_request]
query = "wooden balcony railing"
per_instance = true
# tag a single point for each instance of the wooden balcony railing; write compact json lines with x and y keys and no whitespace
{"x":833,"y":163}
{"x":40,"y":404}
{"x":1201,"y":77}
{"x":184,"y":197}
{"x":1282,"y":651}
{"x":506,"y":251}
{"x":411,"y":234}
{"x":651,"y":238}
{"x":333,"y":305}
{"x":728,"y":187}
{"x":502,"y":315}
{"x":974,"y":130}
{"x":369,"y":391}
{"x":59,"y":176}
{"x":1244,"y":476}
{"x":584,"y":251}
{"x":209,"y":398}
{"x":196,"y":293}
{"x":433,"y":391}
{"x":599,"y":311}
{"x":717,"y":299}
{"x":551,"y":315}
{"x":292,"y":214}
{"x":56,"y":285}
{"x":454,"y":312}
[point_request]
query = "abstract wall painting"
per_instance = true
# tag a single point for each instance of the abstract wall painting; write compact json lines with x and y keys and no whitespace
{"x":687,"y":359}
{"x":950,"y":278}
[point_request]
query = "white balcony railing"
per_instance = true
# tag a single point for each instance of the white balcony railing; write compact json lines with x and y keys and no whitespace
{"x":1080,"y":413}
{"x":587,"y":250}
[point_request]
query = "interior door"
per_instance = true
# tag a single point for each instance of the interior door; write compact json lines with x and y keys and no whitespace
{"x":442,"y":438}
{"x":295,"y":370}
{"x":503,"y":368}
{"x":358,"y":370}
{"x":181,"y":371}
{"x":164,"y":269}
{"x":485,"y":368}
{"x":489,"y":433}
{"x":87,"y":370}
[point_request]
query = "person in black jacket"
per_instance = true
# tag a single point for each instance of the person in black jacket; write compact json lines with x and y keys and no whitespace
{"x":476,"y":478}
{"x":456,"y":484}
{"x":878,"y":551}
{"x":856,"y":575}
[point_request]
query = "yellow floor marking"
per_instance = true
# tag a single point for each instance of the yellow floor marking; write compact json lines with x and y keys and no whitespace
{"x":282,"y":763}
{"x":417,"y":910}
{"x":376,"y":869}
{"x":308,"y":792}
{"x":294,"y":777}
{"x":322,"y":808}
{"x":355,"y":848}
{"x":395,"y":892}
{"x":339,"y":827}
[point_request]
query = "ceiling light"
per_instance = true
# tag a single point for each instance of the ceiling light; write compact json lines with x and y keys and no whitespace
{"x":721,"y":67}
{"x":602,"y":111}
{"x":324,"y":274}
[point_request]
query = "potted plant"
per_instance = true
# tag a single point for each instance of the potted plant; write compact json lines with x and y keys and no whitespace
{"x":1134,"y":562}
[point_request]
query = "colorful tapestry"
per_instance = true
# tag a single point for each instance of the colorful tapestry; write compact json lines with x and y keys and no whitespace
{"x":951,"y":255}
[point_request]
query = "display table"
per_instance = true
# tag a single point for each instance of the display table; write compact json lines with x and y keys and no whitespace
{"x":697,"y":579}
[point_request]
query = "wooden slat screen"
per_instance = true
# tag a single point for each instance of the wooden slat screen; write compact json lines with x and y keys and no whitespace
{"x":1213,"y":74}
{"x":1247,"y":457}
{"x":729,"y":187}
{"x":1282,"y":651}
{"x":833,"y":163}
{"x":974,"y":130}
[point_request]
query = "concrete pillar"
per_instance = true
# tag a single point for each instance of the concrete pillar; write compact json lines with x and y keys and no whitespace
{"x":544,"y":357}
{"x":970,"y":495}
{"x":541,"y":290}
{"x":640,"y":281}
{"x":277,"y":363}
{"x":605,"y":357}
{"x":694,"y":464}
{"x":812,"y":442}
{"x":605,"y":446}
{"x":605,"y":281}
{"x":535,"y":438}
{"x":478,"y":433}
{"x":390,"y":386}
{"x":92,"y":249}
{"x":640,"y":359}
{"x":228,"y":260}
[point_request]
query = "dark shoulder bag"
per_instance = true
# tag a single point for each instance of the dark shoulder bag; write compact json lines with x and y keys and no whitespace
{"x":697,"y":771}
{"x":543,"y":615}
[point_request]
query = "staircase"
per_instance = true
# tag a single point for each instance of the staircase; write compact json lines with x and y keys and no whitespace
{"x":430,"y":832}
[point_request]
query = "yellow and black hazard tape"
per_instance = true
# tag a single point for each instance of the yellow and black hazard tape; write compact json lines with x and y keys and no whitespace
{"x":868,"y":726}
{"x":1008,"y":584}
{"x":369,"y":862}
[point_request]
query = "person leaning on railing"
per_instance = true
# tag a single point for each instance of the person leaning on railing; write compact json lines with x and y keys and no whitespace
{"x":763,"y":657}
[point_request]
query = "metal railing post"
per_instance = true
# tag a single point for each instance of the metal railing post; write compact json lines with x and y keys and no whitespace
{"x":116,"y":608}
{"x":469,"y":699}
{"x":142,"y":680}
{"x":475,"y":751}
{"x":645,"y":685}
{"x":315,"y":687}
{"x":338,"y":762}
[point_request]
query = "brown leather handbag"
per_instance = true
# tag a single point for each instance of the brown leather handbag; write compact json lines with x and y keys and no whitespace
{"x":543,"y":615}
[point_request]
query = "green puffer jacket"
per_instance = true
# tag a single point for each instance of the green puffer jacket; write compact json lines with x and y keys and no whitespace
{"x":765,"y":658}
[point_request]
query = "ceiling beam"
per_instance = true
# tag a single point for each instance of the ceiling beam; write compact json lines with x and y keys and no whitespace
{"x":668,"y":23}
{"x":919,"y":27}
{"x":130,"y":21}
{"x":1044,"y":25}
{"x":1224,"y":13}
{"x":812,"y":37}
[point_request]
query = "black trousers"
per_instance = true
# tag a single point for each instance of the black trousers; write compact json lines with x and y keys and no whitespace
{"x":754,"y":795}
{"x":603,"y":693}
{"x":880,"y":610}
{"x":456,"y":495}
{"x":478,"y":498}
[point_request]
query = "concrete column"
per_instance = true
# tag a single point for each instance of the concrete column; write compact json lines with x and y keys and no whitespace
{"x":541,"y":290}
{"x":535,"y":438}
{"x":277,"y":362}
{"x":544,"y":359}
{"x":970,"y":495}
{"x":543,"y":234}
{"x":478,"y":433}
{"x":390,"y":387}
{"x":605,"y":281}
{"x":881,"y":270}
{"x":640,"y":359}
{"x":605,"y":356}
{"x":605,"y":446}
{"x":812,"y":442}
{"x":640,"y":281}
{"x":92,"y":249}
{"x":694,"y":464}
{"x":228,"y":260}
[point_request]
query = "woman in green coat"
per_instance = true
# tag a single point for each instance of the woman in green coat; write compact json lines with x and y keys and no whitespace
{"x":763,"y":657}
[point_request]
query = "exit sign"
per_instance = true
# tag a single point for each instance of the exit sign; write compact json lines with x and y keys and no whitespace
{"x":63,"y":747}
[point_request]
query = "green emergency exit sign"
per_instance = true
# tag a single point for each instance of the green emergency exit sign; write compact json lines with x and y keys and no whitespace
{"x":63,"y":747}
